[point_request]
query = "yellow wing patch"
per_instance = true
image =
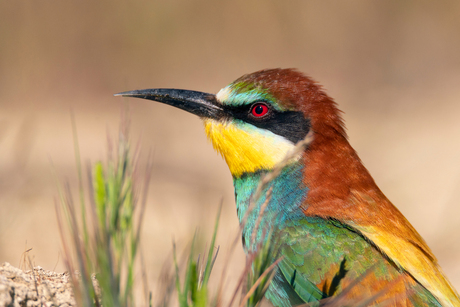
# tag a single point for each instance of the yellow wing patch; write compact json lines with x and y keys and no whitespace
{"x":246,"y":148}
{"x":411,"y":258}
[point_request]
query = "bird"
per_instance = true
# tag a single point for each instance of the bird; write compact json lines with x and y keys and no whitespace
{"x":336,"y":232}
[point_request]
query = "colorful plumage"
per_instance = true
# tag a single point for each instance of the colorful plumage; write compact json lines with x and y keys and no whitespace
{"x":337,"y":232}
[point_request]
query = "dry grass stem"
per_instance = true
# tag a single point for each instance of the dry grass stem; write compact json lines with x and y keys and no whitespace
{"x":259,"y":280}
{"x":261,"y":213}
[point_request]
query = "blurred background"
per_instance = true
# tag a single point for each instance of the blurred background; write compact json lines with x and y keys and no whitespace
{"x":393,"y":67}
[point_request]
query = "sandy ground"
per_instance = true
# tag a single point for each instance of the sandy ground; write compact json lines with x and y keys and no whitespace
{"x":37,"y":287}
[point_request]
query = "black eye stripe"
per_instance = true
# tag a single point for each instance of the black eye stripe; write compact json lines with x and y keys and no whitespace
{"x":290,"y":124}
{"x":244,"y":113}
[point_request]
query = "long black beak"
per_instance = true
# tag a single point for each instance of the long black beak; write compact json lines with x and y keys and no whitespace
{"x":198,"y":103}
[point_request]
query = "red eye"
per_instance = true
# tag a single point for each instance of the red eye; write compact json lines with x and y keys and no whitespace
{"x":259,"y":109}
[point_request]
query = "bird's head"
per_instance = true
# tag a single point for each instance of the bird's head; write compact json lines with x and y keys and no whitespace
{"x":256,"y":120}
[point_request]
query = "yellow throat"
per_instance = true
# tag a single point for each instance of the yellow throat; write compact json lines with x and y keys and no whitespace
{"x":245,"y":148}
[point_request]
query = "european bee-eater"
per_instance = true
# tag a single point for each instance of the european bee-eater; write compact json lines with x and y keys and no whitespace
{"x":337,"y":232}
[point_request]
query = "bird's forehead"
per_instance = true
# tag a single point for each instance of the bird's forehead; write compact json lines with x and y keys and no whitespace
{"x":242,"y":93}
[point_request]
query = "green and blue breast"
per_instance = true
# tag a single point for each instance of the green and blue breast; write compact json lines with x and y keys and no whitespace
{"x":288,"y":192}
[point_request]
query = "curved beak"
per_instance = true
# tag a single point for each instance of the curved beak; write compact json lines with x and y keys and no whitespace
{"x":198,"y":103}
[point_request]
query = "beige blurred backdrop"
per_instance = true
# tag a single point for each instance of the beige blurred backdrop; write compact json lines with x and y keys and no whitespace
{"x":393,"y":67}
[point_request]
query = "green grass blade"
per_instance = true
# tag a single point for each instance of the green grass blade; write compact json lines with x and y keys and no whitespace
{"x":209,"y":261}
